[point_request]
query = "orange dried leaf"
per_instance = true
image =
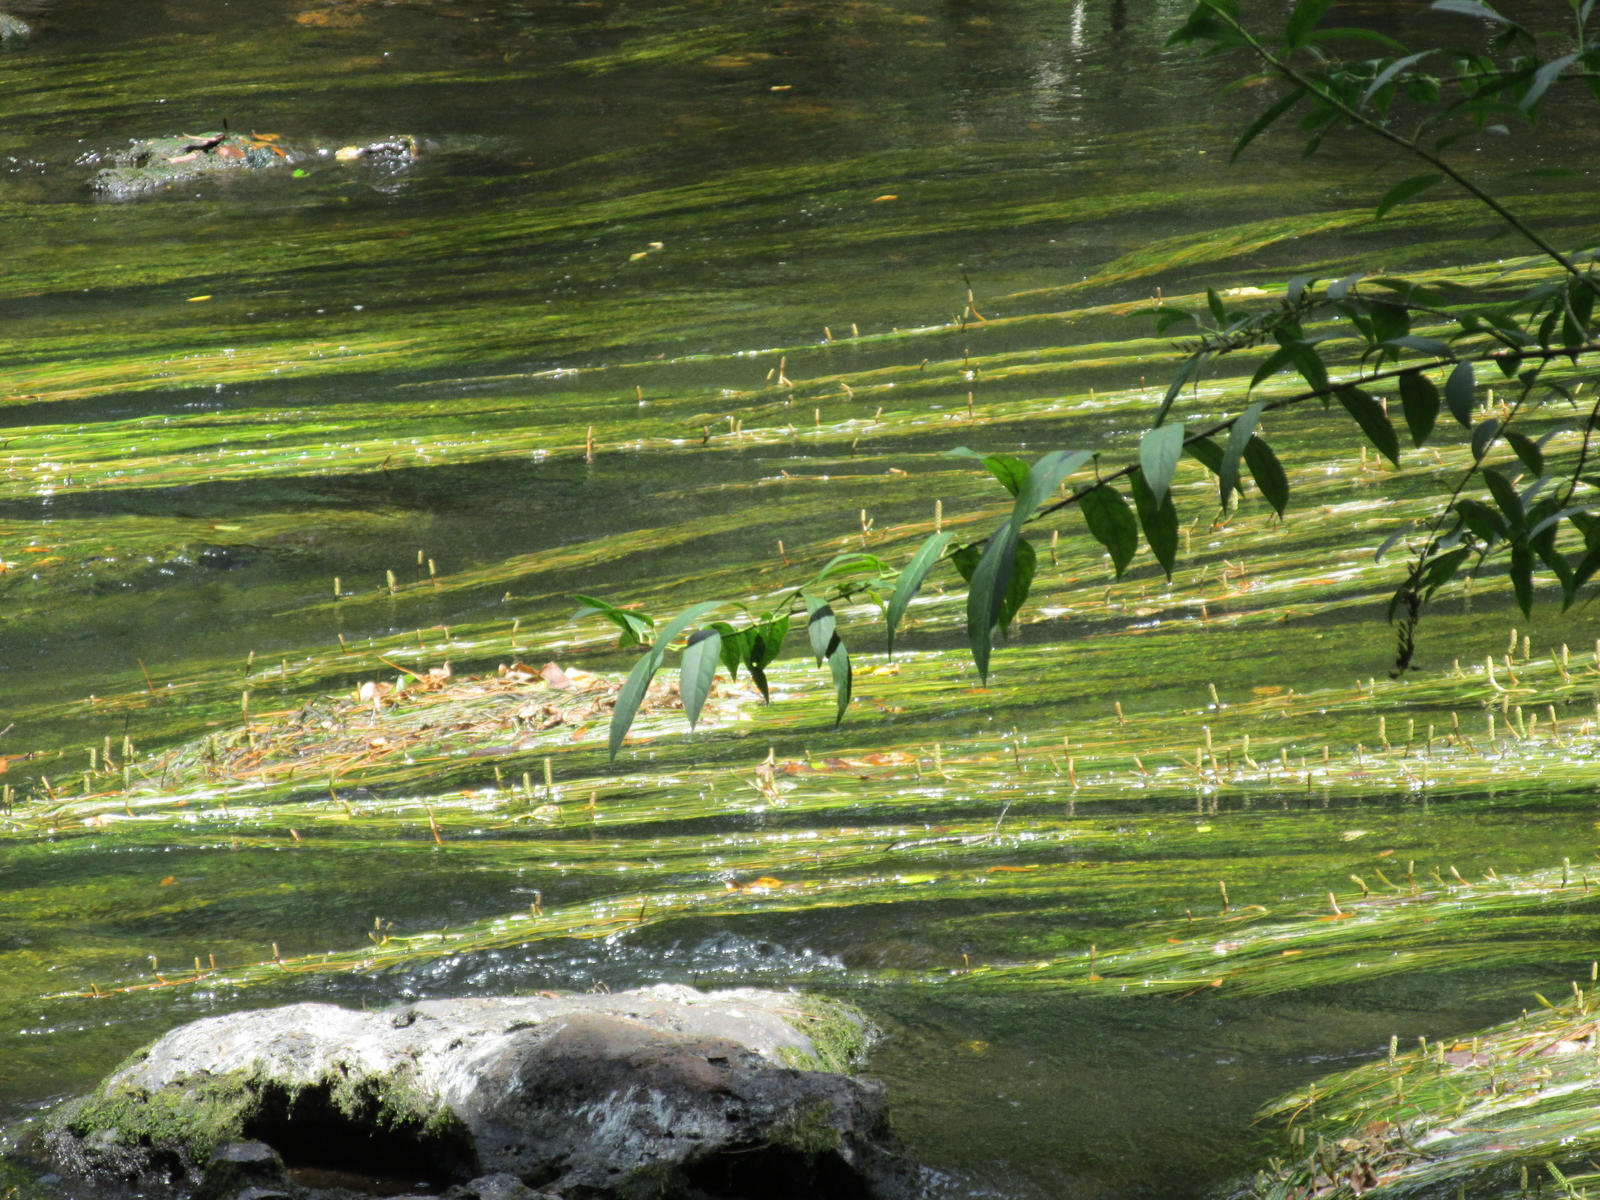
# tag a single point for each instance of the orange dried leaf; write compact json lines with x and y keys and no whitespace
{"x":169,"y":881}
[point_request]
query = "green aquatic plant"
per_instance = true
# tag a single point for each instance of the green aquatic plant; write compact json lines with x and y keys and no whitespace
{"x":1364,"y":340}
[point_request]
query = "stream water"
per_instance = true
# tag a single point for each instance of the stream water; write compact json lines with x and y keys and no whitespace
{"x":638,"y":221}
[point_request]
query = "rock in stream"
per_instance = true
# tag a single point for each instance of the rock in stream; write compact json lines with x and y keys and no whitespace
{"x":662,"y":1092}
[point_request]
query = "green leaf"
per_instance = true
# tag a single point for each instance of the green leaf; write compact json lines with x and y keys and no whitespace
{"x":1022,"y":572}
{"x":1543,"y":78}
{"x":839,"y":666}
{"x":1470,"y":8}
{"x":966,"y":561}
{"x":991,"y":579}
{"x":851,"y":562}
{"x":1368,"y":414}
{"x":1268,"y":473}
{"x":1008,"y":469}
{"x":1214,"y":303}
{"x":1264,"y":121}
{"x":1189,"y":370}
{"x":1159,"y":451}
{"x":629,"y":699}
{"x":1387,"y":76}
{"x":1483,"y":436}
{"x":1458,"y":390}
{"x":1505,"y":496}
{"x":736,"y":645}
{"x":1522,"y":577}
{"x":1159,"y":519}
{"x":1305,"y":17}
{"x":1244,"y":428}
{"x":1043,"y":479}
{"x":1420,"y":400}
{"x":1207,"y":453}
{"x":638,"y":681}
{"x":821,"y":628}
{"x":1112,"y":523}
{"x":698,"y":670}
{"x":635,"y":626}
{"x":1527,"y":450}
{"x":910,"y":580}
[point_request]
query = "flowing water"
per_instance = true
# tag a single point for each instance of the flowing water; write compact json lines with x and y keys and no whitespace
{"x":264,"y":428}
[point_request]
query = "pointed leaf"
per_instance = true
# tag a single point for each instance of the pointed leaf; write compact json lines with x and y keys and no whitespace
{"x":1159,"y":451}
{"x":1527,"y":450}
{"x":1244,"y":428}
{"x":986,"y":594}
{"x":1264,"y":122}
{"x":821,"y":628}
{"x":1403,"y":191}
{"x":1505,"y":496}
{"x":1022,"y":571}
{"x":1483,"y":436}
{"x":1522,"y":577}
{"x":1159,"y":519}
{"x":1207,"y":453}
{"x":1268,"y":473}
{"x":629,"y":699}
{"x":1189,"y":370}
{"x":1297,"y":29}
{"x":910,"y":580}
{"x":1421,"y":402}
{"x":1543,"y":78}
{"x":1369,"y":415}
{"x":1007,"y":468}
{"x":1112,"y":523}
{"x":698,"y":670}
{"x":1214,"y":303}
{"x":736,"y":646}
{"x":1458,"y":391}
{"x":1043,"y":479}
{"x":839,"y":666}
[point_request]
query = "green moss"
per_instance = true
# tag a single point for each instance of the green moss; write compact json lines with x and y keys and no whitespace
{"x":840,"y":1036}
{"x":809,"y":1131}
{"x":193,"y":1116}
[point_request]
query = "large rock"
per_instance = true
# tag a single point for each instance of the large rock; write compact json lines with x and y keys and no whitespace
{"x":664,"y":1092}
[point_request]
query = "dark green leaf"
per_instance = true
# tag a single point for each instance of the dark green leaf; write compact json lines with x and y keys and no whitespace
{"x":1159,"y":519}
{"x":1214,"y":303}
{"x":1189,"y":370}
{"x":1008,"y":469}
{"x":1387,"y":76}
{"x":1297,"y":29}
{"x":966,"y":561}
{"x":1522,"y":577}
{"x":839,"y":666}
{"x":910,"y":580}
{"x":1112,"y":523}
{"x":1483,"y":436}
{"x":736,"y":645}
{"x":1505,"y":496}
{"x":1420,"y":399}
{"x":1486,"y":524}
{"x":1458,"y":391}
{"x":1207,"y":453}
{"x":1244,"y":427}
{"x":1264,"y":122}
{"x":1441,"y":569}
{"x":629,"y":699}
{"x":1268,"y":473}
{"x":986,"y":592}
{"x":1543,"y":78}
{"x":1022,"y":572}
{"x":1368,"y":414}
{"x":1159,"y":451}
{"x":821,"y":629}
{"x":1527,"y":450}
{"x":698,"y":670}
{"x":635,"y":626}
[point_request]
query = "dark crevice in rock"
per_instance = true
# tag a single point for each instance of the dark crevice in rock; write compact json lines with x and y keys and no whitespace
{"x":358,"y":1134}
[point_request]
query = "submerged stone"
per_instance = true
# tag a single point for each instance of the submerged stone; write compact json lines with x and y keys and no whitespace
{"x":13,"y":31}
{"x":663,"y":1092}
